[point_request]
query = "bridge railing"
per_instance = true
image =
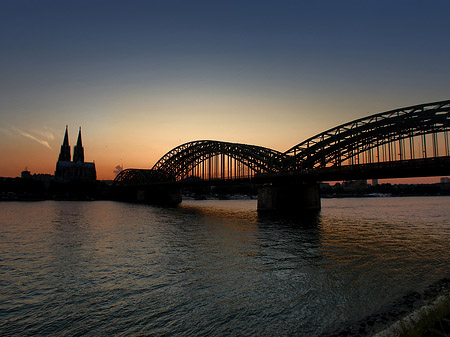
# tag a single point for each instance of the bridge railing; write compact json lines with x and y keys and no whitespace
{"x":412,"y":133}
{"x":219,"y":167}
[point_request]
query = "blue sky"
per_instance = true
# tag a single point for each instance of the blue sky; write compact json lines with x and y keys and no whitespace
{"x":142,"y":77}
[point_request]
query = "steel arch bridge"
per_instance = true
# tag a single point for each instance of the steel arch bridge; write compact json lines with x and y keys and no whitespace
{"x":402,"y":135}
{"x":207,"y":159}
{"x":419,"y":131}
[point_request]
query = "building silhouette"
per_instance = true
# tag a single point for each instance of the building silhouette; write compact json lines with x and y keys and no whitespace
{"x":77,"y":169}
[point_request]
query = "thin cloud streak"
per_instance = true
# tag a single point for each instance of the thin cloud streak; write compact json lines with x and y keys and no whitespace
{"x":45,"y":134}
{"x":27,"y":135}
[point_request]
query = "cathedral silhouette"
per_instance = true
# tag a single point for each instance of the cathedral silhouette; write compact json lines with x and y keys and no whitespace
{"x":77,"y":169}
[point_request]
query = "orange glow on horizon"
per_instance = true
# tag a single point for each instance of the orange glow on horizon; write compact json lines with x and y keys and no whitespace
{"x":151,"y":131}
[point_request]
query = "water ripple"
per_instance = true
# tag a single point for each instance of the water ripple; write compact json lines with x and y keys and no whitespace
{"x":212,"y":267}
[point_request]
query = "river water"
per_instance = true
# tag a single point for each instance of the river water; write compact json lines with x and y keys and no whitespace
{"x":212,"y":267}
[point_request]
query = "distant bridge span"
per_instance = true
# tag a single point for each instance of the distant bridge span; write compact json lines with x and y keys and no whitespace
{"x":415,"y":138}
{"x":398,"y":134}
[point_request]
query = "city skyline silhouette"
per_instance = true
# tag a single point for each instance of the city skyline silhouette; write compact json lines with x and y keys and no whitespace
{"x":142,"y":78}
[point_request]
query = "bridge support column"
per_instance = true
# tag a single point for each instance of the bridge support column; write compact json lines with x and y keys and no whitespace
{"x":289,"y":197}
{"x":159,"y":196}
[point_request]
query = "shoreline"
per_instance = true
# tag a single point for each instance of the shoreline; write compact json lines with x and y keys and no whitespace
{"x":404,"y":314}
{"x":39,"y":197}
{"x":422,"y":320}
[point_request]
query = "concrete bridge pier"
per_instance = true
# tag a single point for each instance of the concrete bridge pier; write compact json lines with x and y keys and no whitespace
{"x":295,"y":197}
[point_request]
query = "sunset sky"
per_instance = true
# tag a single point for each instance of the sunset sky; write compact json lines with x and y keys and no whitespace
{"x":141,"y":77}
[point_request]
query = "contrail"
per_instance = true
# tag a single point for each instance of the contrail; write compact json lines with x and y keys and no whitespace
{"x":40,"y":141}
{"x":45,"y":134}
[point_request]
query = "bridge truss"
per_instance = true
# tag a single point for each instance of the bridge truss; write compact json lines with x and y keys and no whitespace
{"x":206,"y":160}
{"x":415,"y":132}
{"x":419,"y":131}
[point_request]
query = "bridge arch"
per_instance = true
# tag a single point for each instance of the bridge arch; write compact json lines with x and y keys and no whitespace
{"x":140,"y":177}
{"x":414,"y":132}
{"x":208,"y":159}
{"x":406,"y":133}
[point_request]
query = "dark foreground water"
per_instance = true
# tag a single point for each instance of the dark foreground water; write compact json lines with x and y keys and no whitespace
{"x":212,"y":267}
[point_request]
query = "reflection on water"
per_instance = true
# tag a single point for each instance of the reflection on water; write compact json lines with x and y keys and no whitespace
{"x":213,"y":267}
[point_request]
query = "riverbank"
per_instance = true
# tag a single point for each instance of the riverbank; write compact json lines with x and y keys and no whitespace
{"x":46,"y":188}
{"x":430,"y":320}
{"x":414,"y":314}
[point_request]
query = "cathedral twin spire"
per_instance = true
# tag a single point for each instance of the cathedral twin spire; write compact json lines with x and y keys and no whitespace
{"x":64,"y":154}
{"x":78,"y":151}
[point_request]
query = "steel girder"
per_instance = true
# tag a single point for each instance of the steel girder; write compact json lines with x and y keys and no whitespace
{"x":340,"y":143}
{"x":181,"y":160}
{"x":140,"y":177}
{"x":330,"y":148}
